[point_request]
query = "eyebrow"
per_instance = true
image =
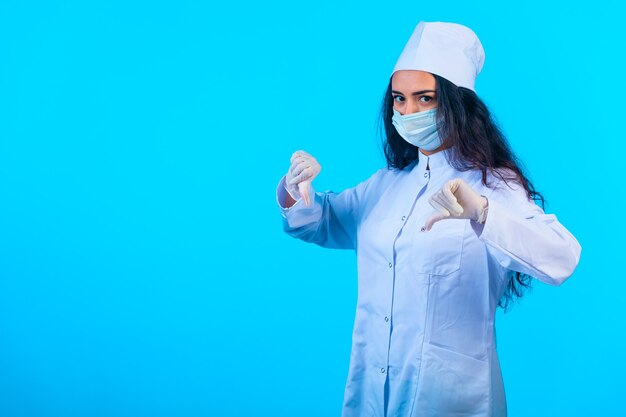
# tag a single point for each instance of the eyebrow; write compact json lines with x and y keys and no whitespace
{"x":415,"y":93}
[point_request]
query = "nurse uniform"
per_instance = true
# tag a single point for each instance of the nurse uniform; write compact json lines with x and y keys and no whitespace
{"x":424,"y":340}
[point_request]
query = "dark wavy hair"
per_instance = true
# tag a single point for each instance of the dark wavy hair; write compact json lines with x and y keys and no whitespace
{"x":466,"y":125}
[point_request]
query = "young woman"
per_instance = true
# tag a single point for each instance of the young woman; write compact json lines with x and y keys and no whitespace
{"x":445,"y":234}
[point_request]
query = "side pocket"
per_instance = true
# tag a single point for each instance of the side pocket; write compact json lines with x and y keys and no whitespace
{"x":458,"y":315}
{"x":451,"y":384}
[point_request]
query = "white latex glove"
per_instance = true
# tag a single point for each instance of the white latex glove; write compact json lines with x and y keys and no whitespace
{"x":303,"y":170}
{"x":457,"y":200}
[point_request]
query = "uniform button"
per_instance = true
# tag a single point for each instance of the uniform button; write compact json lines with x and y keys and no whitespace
{"x":390,"y":265}
{"x":425,"y":174}
{"x":386,"y":318}
{"x":382,"y":370}
{"x":403,"y":218}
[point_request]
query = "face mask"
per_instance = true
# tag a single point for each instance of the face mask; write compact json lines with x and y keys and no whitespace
{"x":419,"y":129}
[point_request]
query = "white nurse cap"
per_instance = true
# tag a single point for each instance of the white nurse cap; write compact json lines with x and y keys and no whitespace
{"x":449,"y":50}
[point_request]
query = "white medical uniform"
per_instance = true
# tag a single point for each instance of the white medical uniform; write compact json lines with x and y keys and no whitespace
{"x":424,"y":341}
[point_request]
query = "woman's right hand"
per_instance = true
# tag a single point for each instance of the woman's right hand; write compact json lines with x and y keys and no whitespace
{"x":303,"y":170}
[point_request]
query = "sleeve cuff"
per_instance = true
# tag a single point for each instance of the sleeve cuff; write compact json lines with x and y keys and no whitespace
{"x":281,"y":195}
{"x":484,"y":230}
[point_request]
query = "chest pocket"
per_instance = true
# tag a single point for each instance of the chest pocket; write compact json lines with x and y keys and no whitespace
{"x":438,"y":251}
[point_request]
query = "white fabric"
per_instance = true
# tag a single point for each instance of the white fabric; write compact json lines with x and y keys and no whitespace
{"x":424,"y":342}
{"x":449,"y":50}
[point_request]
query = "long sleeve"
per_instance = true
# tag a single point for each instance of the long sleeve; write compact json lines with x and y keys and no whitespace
{"x":332,"y":219}
{"x":521,"y":237}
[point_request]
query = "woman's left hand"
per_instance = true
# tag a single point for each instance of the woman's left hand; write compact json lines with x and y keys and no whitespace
{"x":457,"y":200}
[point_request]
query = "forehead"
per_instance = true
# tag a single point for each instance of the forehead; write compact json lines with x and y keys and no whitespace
{"x":412,"y":80}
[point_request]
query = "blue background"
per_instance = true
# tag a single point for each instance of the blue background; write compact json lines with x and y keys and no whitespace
{"x":143,"y":266}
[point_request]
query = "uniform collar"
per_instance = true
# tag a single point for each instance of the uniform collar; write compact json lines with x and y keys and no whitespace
{"x":436,"y":160}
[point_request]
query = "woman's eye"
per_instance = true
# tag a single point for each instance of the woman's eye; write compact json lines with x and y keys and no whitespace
{"x":426,"y":99}
{"x":398,"y":99}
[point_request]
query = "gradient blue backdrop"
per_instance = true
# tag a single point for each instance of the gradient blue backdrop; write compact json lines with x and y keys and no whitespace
{"x":143,"y":267}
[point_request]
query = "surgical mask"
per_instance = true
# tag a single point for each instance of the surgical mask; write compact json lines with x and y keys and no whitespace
{"x":419,"y":129}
